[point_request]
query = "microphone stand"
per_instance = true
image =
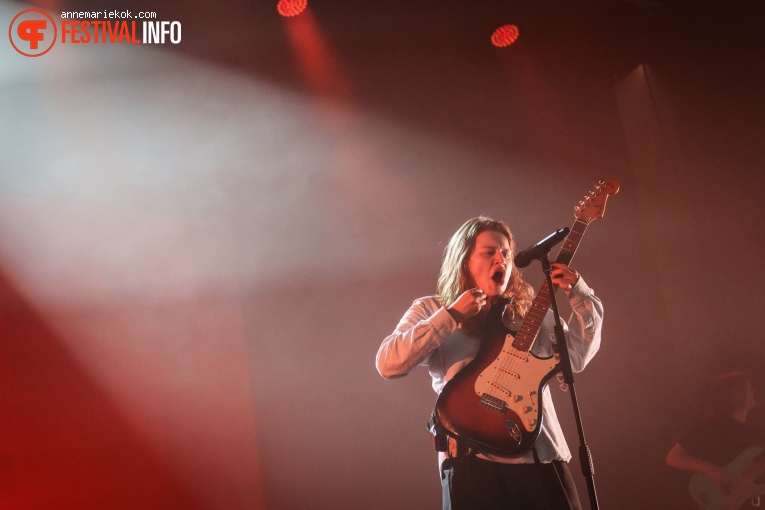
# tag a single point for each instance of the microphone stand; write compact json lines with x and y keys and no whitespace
{"x":585,"y":457}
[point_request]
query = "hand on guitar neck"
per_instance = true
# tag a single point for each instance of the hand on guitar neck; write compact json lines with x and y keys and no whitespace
{"x":729,"y":487}
{"x":563,"y":276}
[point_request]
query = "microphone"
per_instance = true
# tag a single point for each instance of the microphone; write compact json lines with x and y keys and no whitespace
{"x":542,"y":248}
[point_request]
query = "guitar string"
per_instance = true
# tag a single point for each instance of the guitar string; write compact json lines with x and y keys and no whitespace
{"x":510,"y":363}
{"x":500,"y":386}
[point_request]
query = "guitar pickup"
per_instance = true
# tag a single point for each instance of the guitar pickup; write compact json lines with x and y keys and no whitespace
{"x":493,"y":403}
{"x":519,"y":355}
{"x":510,"y":373}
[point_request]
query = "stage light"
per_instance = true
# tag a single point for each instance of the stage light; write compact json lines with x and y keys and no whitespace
{"x":289,"y":8}
{"x":504,"y":36}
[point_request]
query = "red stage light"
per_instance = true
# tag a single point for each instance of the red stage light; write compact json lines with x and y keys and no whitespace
{"x":504,"y":36}
{"x":291,"y":7}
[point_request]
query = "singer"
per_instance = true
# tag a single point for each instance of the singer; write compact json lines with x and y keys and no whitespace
{"x":442,"y":332}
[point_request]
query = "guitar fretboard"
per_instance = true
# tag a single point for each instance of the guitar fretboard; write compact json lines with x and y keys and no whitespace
{"x":529,"y":329}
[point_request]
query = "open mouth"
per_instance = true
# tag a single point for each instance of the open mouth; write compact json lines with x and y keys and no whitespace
{"x":498,"y":276}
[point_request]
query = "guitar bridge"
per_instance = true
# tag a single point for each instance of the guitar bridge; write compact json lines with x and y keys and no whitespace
{"x":493,"y":403}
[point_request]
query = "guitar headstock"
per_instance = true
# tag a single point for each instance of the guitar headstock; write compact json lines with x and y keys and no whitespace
{"x":594,"y":205}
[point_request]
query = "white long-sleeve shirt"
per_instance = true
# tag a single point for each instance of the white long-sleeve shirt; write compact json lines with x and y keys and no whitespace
{"x":427,"y":335}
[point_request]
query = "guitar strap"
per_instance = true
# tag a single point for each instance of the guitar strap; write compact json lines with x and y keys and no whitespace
{"x":440,"y":438}
{"x":443,"y":442}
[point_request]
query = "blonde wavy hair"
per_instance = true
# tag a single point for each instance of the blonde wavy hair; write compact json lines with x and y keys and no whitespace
{"x":455,"y":277}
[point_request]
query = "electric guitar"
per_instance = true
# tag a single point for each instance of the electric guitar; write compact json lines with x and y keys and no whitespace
{"x":495,"y":401}
{"x":742,"y":472}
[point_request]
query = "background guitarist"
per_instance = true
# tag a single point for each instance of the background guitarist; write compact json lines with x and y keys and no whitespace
{"x":441,"y":332}
{"x":725,"y":431}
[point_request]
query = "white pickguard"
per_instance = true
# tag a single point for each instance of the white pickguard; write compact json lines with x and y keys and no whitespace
{"x":515,"y":377}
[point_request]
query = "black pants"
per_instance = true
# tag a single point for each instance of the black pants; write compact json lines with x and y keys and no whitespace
{"x":470,"y":483}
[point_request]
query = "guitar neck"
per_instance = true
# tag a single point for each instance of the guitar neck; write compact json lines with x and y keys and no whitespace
{"x":528,"y":331}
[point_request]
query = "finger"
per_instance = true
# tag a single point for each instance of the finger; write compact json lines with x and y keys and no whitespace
{"x":559,"y":273}
{"x":565,"y":270}
{"x":566,"y":277}
{"x":563,"y":283}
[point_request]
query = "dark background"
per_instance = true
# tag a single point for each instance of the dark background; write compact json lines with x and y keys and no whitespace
{"x":203,"y":245}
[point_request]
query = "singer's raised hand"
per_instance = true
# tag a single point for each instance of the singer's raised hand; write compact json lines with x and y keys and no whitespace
{"x":467,"y":305}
